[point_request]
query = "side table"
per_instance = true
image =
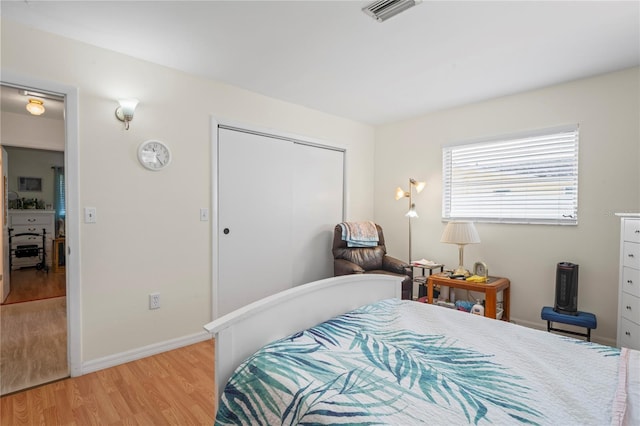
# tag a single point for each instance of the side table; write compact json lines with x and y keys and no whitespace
{"x":422,"y":279}
{"x":490,"y":289}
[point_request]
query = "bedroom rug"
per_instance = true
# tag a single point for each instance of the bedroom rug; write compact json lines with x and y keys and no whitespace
{"x":30,"y":284}
{"x":33,"y":344}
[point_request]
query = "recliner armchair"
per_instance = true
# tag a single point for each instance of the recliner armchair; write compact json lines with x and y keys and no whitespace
{"x":369,"y":260}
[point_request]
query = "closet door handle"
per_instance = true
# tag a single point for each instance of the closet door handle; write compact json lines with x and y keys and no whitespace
{"x":225,"y":231}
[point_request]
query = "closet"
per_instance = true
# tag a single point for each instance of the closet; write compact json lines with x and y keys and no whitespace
{"x":277,"y":199}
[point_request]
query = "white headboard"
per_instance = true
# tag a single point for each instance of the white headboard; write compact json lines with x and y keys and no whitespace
{"x":241,"y":333}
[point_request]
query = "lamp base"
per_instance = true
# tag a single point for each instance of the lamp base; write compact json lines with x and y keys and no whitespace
{"x":461,"y":271}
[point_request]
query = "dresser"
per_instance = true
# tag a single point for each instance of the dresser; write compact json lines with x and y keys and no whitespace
{"x":33,"y":221}
{"x":629,"y":286}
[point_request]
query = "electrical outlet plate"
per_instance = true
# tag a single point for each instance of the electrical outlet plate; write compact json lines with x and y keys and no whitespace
{"x":89,"y":215}
{"x":154,"y":301}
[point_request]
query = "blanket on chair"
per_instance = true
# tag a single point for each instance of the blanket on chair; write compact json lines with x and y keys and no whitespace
{"x":360,"y":234}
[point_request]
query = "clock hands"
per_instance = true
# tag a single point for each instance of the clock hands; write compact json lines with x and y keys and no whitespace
{"x":154,"y":155}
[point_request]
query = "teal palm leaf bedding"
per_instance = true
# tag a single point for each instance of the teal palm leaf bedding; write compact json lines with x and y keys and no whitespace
{"x":401,"y":362}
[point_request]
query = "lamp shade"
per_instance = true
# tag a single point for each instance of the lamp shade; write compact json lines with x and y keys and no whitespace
{"x":458,"y":232}
{"x":418,"y":185}
{"x":412,"y":211}
{"x":128,"y":106}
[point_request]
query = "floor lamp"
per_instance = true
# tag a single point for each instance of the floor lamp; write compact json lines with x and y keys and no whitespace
{"x":401,"y":193}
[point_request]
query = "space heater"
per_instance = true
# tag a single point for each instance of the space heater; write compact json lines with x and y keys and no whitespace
{"x":566,"y":288}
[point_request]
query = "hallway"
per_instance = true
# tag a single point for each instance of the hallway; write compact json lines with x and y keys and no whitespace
{"x":33,"y":334}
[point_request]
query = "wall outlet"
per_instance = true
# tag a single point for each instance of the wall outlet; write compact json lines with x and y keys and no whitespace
{"x":154,"y":301}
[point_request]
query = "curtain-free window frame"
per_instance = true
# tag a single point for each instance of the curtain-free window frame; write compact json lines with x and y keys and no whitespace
{"x":528,"y":178}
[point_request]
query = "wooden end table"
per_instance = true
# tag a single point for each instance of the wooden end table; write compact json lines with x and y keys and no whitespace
{"x":490,"y":289}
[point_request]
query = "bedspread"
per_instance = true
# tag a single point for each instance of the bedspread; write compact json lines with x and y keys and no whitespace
{"x":401,"y":362}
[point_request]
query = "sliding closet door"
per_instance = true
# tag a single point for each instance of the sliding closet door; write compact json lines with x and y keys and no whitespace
{"x":318,"y":202}
{"x":278,"y":201}
{"x":254,"y":217}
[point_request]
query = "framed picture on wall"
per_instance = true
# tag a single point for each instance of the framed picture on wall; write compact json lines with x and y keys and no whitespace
{"x":29,"y":184}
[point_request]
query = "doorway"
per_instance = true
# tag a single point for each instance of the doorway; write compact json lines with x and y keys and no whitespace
{"x":34,"y":345}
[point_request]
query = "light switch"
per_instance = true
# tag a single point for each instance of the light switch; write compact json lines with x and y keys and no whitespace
{"x":204,"y":215}
{"x":89,"y":215}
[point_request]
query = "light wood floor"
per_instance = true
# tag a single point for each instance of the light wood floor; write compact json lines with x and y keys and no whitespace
{"x":172,"y":388}
{"x":33,"y":330}
{"x":31,"y":284}
{"x":33,"y":343}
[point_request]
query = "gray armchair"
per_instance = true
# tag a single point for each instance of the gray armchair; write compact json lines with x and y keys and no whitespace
{"x":369,"y":260}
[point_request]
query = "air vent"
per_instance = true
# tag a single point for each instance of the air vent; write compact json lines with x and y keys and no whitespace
{"x":384,"y":9}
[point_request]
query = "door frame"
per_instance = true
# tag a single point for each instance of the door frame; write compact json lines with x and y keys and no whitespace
{"x":72,"y":219}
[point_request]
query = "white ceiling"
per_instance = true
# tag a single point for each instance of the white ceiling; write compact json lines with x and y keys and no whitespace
{"x":330,"y":56}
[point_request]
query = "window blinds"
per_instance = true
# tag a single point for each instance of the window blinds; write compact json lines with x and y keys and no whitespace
{"x":530,"y":178}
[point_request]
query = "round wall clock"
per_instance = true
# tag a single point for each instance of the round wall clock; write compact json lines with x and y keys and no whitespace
{"x":154,"y":155}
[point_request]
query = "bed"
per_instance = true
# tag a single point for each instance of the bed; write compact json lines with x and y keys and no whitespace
{"x":347,"y":350}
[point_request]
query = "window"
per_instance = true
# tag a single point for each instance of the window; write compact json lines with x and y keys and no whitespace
{"x":526,"y":178}
{"x":59,"y":194}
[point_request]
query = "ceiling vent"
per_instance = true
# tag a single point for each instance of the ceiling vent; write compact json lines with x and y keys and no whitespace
{"x":384,"y":9}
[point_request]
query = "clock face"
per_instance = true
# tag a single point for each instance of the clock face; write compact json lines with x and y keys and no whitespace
{"x":154,"y":155}
{"x":480,"y":268}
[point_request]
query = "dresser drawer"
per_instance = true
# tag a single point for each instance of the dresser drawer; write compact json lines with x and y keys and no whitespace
{"x":632,"y":230}
{"x":31,"y":219}
{"x":37,"y":229}
{"x":631,"y":255}
{"x":30,"y":239}
{"x":631,"y":281}
{"x":628,"y":334}
{"x":27,"y":239}
{"x":630,"y":308}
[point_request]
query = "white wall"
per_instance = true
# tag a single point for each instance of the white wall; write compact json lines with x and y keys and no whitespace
{"x":606,"y":107}
{"x":30,"y":131}
{"x":148,"y":236}
{"x":33,"y":163}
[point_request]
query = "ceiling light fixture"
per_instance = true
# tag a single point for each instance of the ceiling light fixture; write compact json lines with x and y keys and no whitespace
{"x":35,"y":106}
{"x":384,"y":9}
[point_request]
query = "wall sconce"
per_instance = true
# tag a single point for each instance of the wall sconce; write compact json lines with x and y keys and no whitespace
{"x":35,"y":106}
{"x":460,"y":233}
{"x":401,"y":193}
{"x":125,"y":111}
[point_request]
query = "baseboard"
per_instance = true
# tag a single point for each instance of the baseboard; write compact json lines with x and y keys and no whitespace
{"x":142,"y":352}
{"x":543,"y":326}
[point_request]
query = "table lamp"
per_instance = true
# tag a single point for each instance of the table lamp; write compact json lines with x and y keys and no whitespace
{"x":460,"y":233}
